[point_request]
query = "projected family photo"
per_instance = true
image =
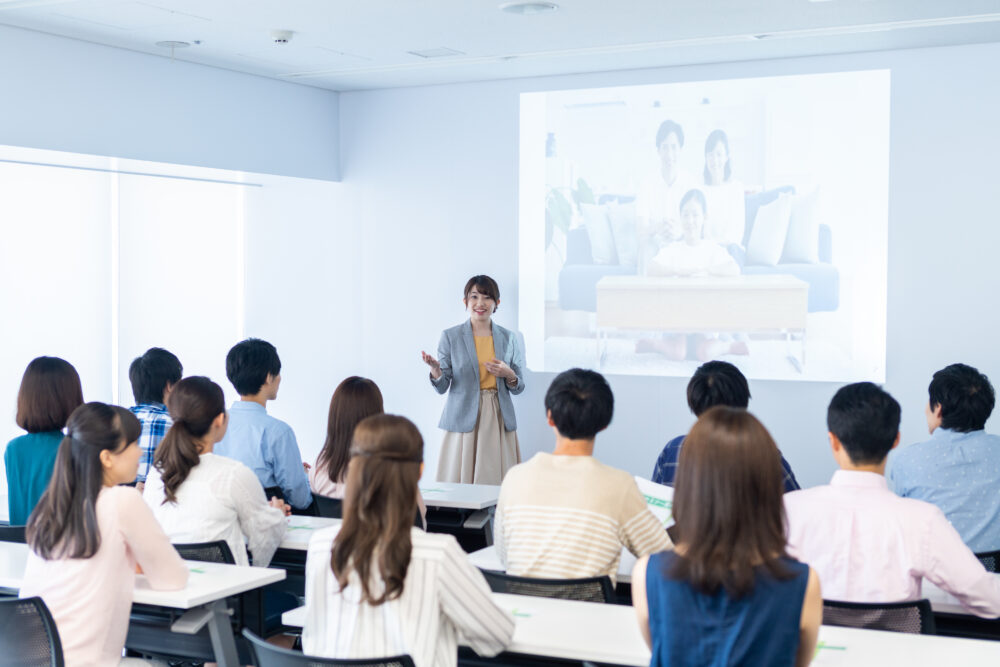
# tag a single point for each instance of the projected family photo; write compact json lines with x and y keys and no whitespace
{"x":743,"y":220}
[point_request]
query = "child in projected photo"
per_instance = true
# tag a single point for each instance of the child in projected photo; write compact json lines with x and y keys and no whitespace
{"x":692,"y":255}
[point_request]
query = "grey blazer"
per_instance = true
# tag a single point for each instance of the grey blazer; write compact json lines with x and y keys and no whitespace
{"x":460,"y":371}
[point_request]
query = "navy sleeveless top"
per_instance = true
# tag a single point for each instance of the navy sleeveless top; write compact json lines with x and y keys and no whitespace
{"x":691,"y":628}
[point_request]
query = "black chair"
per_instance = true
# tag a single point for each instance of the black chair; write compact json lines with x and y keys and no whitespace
{"x":268,"y":655}
{"x":330,"y":508}
{"x":990,"y":560}
{"x":207,"y":552}
{"x":12,"y":534}
{"x":591,"y":589}
{"x":28,"y":634}
{"x":914,"y":617}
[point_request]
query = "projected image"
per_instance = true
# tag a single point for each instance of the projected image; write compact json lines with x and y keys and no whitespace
{"x":746,"y":220}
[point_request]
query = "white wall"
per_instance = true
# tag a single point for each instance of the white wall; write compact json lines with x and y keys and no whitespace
{"x":431,"y":174}
{"x":68,"y":95}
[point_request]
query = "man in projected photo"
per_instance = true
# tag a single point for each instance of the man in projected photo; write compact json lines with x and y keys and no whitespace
{"x":657,"y":203}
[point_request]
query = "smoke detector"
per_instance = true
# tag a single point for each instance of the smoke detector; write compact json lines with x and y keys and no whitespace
{"x":281,"y":36}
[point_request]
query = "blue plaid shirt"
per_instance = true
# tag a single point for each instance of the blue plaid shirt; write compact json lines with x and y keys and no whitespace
{"x":666,"y":466}
{"x":155,"y":423}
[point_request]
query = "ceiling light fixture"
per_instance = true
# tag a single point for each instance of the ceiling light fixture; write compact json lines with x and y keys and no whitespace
{"x":526,"y":8}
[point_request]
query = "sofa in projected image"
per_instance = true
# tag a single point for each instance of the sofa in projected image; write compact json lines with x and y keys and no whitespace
{"x":782,"y":237}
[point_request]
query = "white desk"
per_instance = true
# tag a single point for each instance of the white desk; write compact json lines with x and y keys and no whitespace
{"x":610,"y":633}
{"x":459,"y":496}
{"x":209,"y":584}
{"x":486,"y":559}
{"x":301,"y":529}
{"x":4,"y":508}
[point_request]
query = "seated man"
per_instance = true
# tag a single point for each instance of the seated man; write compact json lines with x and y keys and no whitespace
{"x":958,"y":469}
{"x":866,"y":543}
{"x":263,"y":443}
{"x":714,"y":383}
{"x":566,"y":515}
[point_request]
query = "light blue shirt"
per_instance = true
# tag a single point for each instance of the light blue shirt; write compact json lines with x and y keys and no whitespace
{"x":958,"y":472}
{"x":267,"y":446}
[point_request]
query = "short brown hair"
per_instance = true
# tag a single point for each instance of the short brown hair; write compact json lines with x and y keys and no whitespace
{"x":485,"y":285}
{"x":50,"y":392}
{"x":728,"y":503}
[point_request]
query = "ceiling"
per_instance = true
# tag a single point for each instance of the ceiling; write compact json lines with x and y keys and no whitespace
{"x":365,"y":44}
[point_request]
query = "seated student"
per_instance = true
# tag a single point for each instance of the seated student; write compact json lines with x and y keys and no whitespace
{"x":200,"y":497}
{"x":566,"y":515}
{"x":866,"y":543}
{"x":375,"y":585}
{"x":50,"y":391}
{"x":152,"y":376}
{"x":958,"y":469}
{"x":714,"y":383}
{"x":728,"y":594}
{"x":259,"y":441}
{"x":88,"y":534}
{"x":354,"y":399}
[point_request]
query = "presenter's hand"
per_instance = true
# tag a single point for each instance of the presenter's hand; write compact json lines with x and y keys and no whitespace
{"x":433,"y":363}
{"x":501,"y":370}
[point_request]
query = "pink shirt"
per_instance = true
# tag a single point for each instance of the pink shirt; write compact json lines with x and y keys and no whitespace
{"x":321,"y":484}
{"x":869,"y":545}
{"x":90,"y":598}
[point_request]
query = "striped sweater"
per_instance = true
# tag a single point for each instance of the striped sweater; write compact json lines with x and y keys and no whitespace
{"x":566,"y":517}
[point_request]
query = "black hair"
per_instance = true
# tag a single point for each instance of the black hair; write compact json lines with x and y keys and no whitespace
{"x":64,"y":523}
{"x":718,"y":137}
{"x":581,"y":403}
{"x":194,"y":405}
{"x":717,"y":383}
{"x":696,"y":195}
{"x":666,"y":127}
{"x":249,"y":363}
{"x":152,"y":372}
{"x":865,"y":418}
{"x":965,"y":395}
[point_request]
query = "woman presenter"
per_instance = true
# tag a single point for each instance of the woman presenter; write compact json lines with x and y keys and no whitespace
{"x":480,"y":364}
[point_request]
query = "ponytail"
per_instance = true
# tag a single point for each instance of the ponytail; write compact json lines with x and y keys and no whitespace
{"x":194,"y":403}
{"x":175,"y":456}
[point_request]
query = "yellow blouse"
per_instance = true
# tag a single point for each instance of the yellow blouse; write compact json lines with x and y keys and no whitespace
{"x":484,"y":353}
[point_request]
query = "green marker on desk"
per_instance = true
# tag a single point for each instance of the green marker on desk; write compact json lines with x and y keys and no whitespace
{"x":824,"y":645}
{"x":301,"y":528}
{"x":519,"y":614}
{"x":197,"y":570}
{"x":432,"y":490}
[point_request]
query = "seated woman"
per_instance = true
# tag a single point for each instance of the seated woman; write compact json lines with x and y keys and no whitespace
{"x":378,"y":587}
{"x":198,"y":496}
{"x":354,"y":399}
{"x":88,"y":535}
{"x":728,"y":594}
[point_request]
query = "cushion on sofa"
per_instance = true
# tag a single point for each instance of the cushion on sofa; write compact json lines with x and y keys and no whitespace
{"x":802,"y":239}
{"x":602,"y":240}
{"x":622,"y":219}
{"x":770,"y":227}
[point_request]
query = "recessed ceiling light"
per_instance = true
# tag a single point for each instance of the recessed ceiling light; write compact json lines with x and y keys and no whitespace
{"x":524,"y":8}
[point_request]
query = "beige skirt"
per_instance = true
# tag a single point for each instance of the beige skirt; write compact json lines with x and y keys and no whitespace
{"x":485,"y":454}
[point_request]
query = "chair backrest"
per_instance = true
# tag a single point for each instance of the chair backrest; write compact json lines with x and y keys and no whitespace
{"x":330,"y":508}
{"x":591,"y":589}
{"x":28,"y":634}
{"x":990,"y":560}
{"x":268,"y":655}
{"x":207,"y":552}
{"x":914,"y":617}
{"x":12,"y":534}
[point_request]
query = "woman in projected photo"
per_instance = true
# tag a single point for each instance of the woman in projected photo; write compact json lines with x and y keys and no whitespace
{"x":693,"y":255}
{"x":480,"y":365}
{"x":726,"y":198}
